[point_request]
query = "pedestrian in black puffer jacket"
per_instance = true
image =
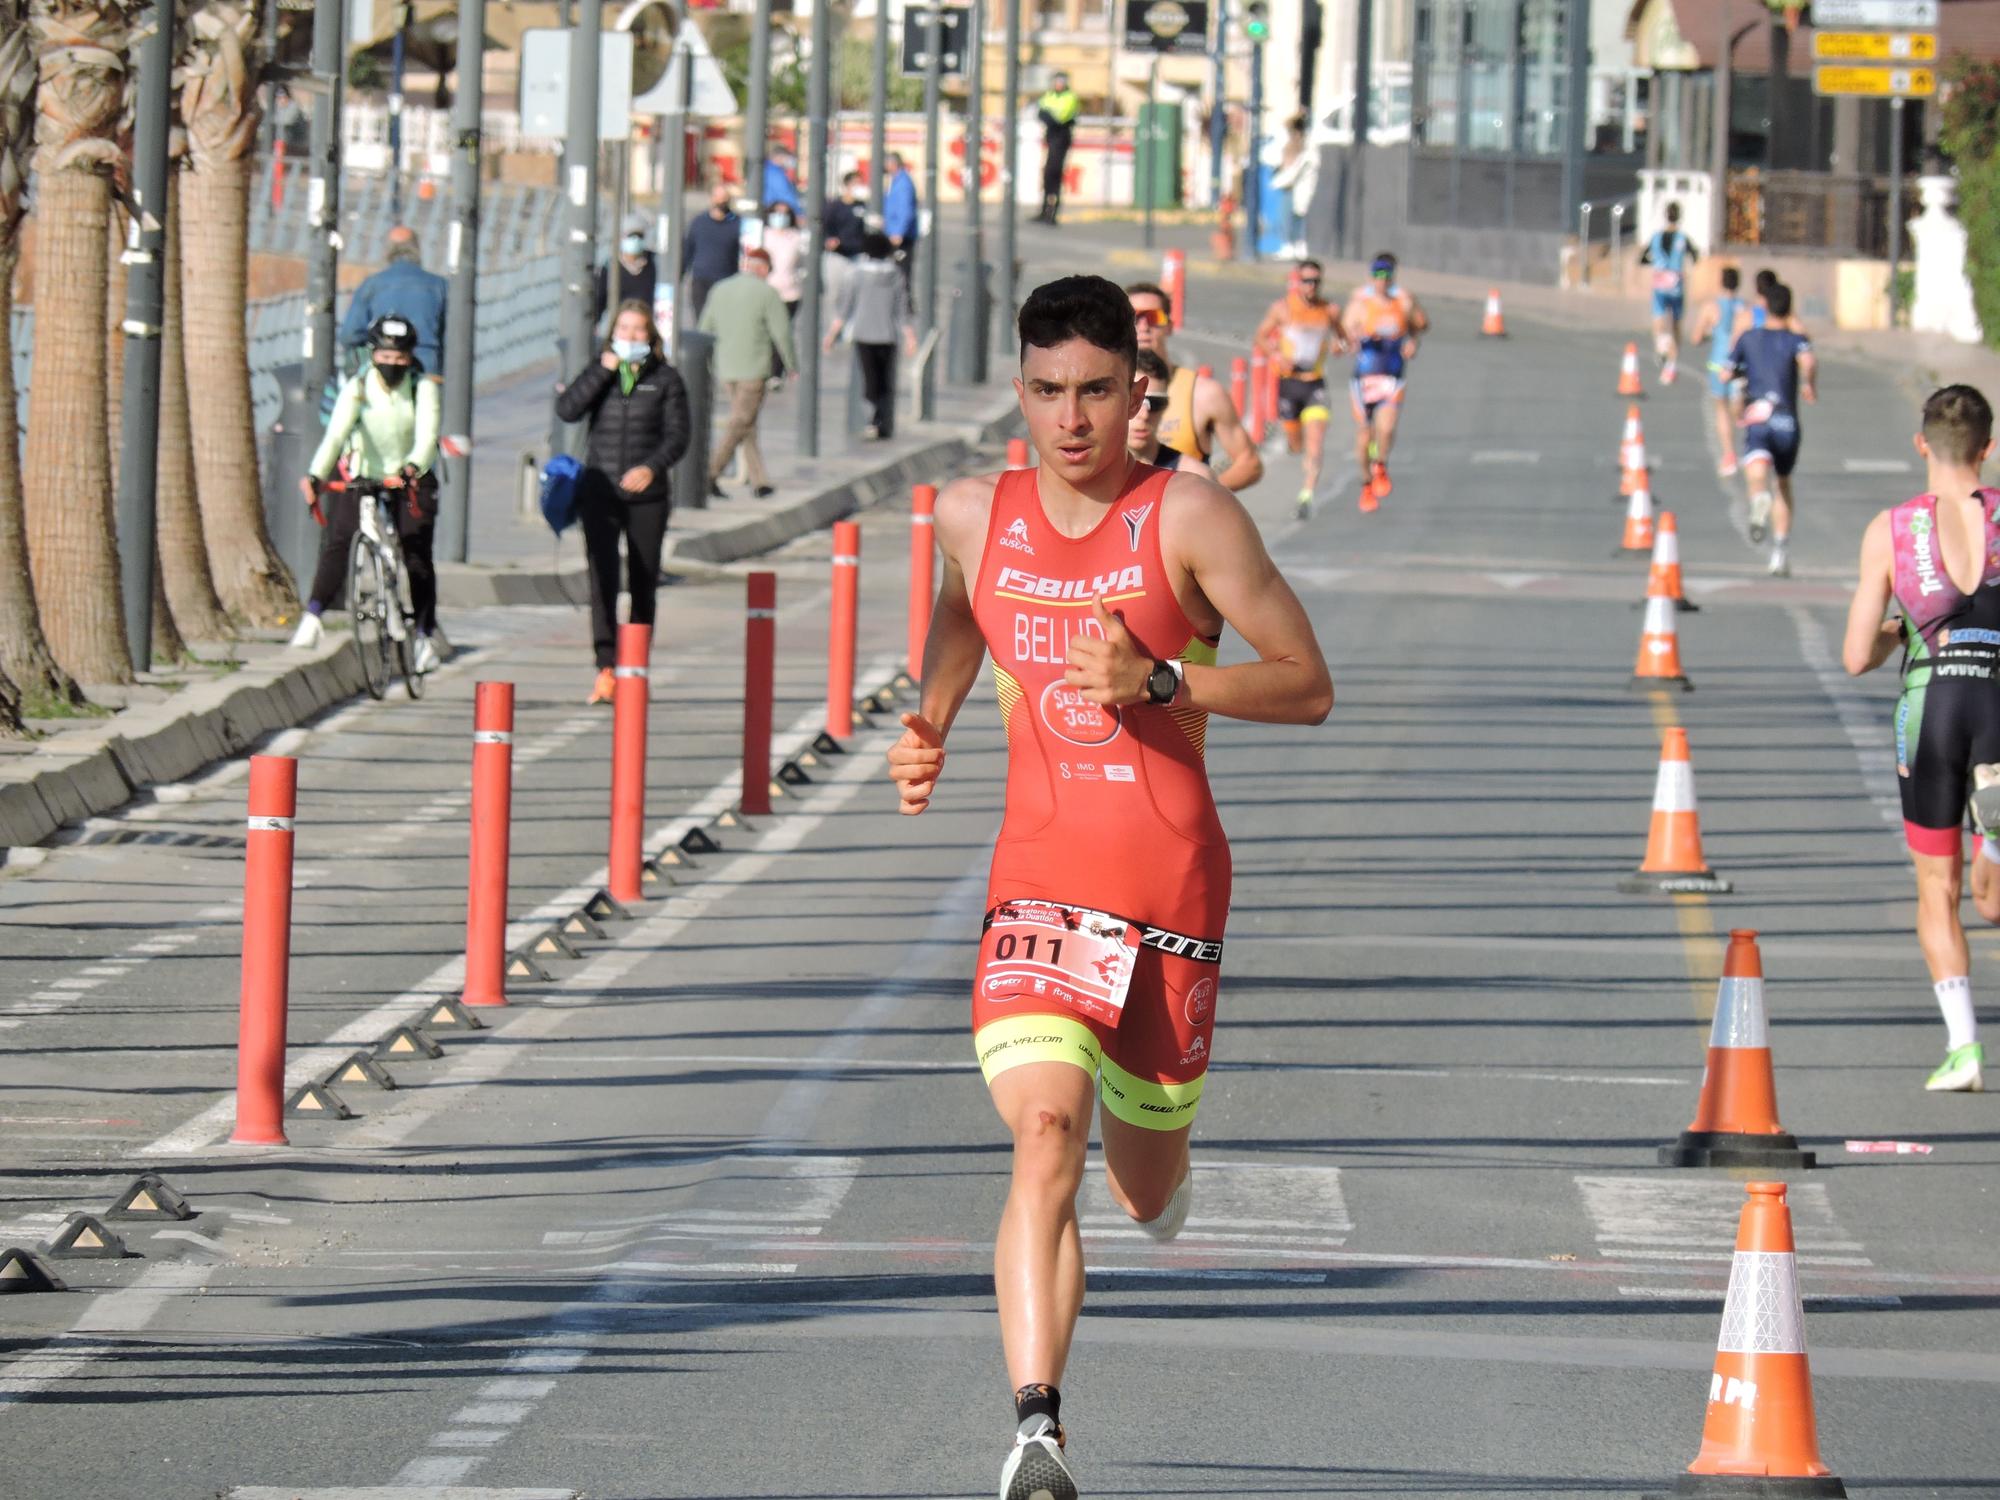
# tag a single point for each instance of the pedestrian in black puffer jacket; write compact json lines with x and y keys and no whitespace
{"x":637,"y":409}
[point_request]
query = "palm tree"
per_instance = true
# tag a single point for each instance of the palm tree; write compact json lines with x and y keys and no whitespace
{"x":72,"y":548}
{"x":183,"y":554}
{"x":220,"y":108}
{"x":26,"y":663}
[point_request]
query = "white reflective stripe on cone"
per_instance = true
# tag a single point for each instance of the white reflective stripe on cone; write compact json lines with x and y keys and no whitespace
{"x":492,"y":737}
{"x":1659,"y":622}
{"x":1673,"y":791}
{"x":1739,"y":1014}
{"x":1762,"y":1314}
{"x":268,"y":825}
{"x":1667,"y":546}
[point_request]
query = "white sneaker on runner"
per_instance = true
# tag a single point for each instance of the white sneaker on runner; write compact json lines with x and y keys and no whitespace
{"x":1760,"y":514}
{"x":1035,"y":1470}
{"x":308,"y":634}
{"x":426,"y":659}
{"x":1781,"y":562}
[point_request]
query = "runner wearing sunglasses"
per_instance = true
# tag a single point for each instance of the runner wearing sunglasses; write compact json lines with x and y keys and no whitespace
{"x":1382,"y":322}
{"x":1142,"y":433}
{"x":1300,"y":331}
{"x":1199,"y":417}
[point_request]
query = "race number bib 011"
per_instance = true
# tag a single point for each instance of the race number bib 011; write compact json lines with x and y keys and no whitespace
{"x":1069,"y":956}
{"x":1666,"y":281}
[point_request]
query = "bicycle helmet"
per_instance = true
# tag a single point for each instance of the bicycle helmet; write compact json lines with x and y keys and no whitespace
{"x":392,"y":332}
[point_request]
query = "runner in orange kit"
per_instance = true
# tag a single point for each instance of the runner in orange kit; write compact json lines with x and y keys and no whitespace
{"x":1101,"y":587}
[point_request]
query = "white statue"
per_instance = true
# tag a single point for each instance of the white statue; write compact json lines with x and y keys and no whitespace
{"x":1943,"y":300}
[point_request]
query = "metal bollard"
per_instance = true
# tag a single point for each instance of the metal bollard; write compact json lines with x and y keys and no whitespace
{"x":492,"y":835}
{"x":1017,"y":453}
{"x":846,"y":619}
{"x":923,"y":573}
{"x":760,"y":632}
{"x":1239,"y":379}
{"x":628,"y":762}
{"x":267,"y":951}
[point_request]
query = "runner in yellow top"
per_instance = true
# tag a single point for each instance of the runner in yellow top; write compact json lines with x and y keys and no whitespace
{"x":1382,"y":322}
{"x":1300,"y":331}
{"x":1200,"y":420}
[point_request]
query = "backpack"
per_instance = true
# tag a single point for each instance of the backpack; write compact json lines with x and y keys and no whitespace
{"x":560,"y":491}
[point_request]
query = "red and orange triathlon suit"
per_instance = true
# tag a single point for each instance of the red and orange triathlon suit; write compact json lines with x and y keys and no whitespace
{"x":1110,"y":883}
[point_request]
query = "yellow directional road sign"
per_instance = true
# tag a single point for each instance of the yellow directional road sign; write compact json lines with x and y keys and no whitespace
{"x":1875,"y":46}
{"x":1881,"y":83}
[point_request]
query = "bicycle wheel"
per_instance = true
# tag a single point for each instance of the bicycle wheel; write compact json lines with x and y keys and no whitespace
{"x":368,"y":605}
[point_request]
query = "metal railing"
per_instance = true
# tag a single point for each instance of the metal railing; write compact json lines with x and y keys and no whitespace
{"x":516,"y":222}
{"x":1615,"y":211}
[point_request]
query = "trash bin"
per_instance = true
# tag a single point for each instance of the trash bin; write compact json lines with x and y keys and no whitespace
{"x":1157,"y":150}
{"x":693,"y":360}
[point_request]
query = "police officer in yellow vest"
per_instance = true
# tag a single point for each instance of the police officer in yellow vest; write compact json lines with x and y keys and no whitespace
{"x":1057,"y":109}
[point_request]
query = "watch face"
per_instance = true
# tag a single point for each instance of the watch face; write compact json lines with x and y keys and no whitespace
{"x":1161,"y":683}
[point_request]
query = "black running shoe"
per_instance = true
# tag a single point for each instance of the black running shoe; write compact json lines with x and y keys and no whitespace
{"x":1035,"y":1469}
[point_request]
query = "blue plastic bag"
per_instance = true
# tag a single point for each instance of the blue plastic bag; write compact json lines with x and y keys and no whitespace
{"x":560,"y":491}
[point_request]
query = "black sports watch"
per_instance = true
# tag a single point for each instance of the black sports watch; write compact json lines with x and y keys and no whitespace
{"x":1163,"y":683}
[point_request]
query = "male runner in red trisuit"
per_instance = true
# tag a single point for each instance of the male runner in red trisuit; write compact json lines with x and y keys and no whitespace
{"x":1101,"y":587}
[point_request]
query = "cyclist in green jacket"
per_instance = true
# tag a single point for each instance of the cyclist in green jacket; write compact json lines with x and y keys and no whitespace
{"x":384,"y":429}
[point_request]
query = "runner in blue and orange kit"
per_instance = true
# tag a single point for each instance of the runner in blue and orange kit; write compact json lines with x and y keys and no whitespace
{"x":1381,"y":321}
{"x":1101,"y":587}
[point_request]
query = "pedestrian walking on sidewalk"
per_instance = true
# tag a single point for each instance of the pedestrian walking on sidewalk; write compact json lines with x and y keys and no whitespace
{"x":401,"y":289}
{"x":785,"y":243}
{"x":632,"y":275}
{"x":899,"y":214}
{"x":1298,"y":175}
{"x":1057,"y":110}
{"x":874,"y":310}
{"x":713,"y":244}
{"x":746,"y":318}
{"x":637,"y":414}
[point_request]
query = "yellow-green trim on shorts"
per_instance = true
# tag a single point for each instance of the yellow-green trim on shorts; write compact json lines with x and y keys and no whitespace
{"x":1014,"y":1040}
{"x":1145,"y":1102}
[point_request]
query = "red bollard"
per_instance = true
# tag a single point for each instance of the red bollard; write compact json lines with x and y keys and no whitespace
{"x":846,"y":619}
{"x":277,"y":174}
{"x":1204,"y":372}
{"x":267,"y":951}
{"x":628,"y":762}
{"x":1017,"y":453}
{"x":1255,"y":421}
{"x":923,"y":572}
{"x":1173,"y":276}
{"x":492,"y":832}
{"x":760,"y":642}
{"x":1239,"y":377}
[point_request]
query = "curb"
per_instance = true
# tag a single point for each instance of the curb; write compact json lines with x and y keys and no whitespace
{"x":92,"y":769}
{"x":695,"y":553}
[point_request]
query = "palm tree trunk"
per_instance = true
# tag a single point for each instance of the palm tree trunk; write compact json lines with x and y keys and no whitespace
{"x":25,"y":659}
{"x":11,"y":727}
{"x":183,"y":554}
{"x":215,"y":197}
{"x":72,"y":548}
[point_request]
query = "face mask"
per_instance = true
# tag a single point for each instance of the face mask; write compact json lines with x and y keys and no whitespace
{"x":633,"y":244}
{"x":392,"y":375}
{"x":779,"y":221}
{"x":631,"y":350}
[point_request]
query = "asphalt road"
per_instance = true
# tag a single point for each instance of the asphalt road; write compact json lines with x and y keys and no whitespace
{"x":709,"y":1213}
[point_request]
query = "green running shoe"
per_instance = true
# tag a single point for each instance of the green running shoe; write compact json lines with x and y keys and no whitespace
{"x":1960,"y":1071}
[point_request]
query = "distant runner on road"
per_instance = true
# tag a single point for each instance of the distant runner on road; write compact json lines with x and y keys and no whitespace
{"x":1302,"y":331}
{"x":1382,"y":322}
{"x":1669,"y":252}
{"x":1775,"y":366}
{"x":1717,"y":325}
{"x":1936,"y":558}
{"x":1101,"y":587}
{"x":1200,"y":418}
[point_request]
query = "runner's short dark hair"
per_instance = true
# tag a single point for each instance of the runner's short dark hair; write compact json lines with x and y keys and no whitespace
{"x":1310,"y":264}
{"x":1958,"y":424}
{"x":1766,"y":279}
{"x":1731,"y":278}
{"x":1779,"y":300}
{"x":1146,"y":289}
{"x":1153,"y":367}
{"x":1080,"y":307}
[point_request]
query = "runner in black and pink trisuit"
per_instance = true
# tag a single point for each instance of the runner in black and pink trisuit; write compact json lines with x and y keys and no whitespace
{"x":1100,"y":586}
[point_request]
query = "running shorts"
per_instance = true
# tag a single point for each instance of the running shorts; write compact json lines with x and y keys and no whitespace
{"x":1151,"y":1066}
{"x":1774,"y":440}
{"x":1369,"y":392}
{"x":1718,"y":382}
{"x":1945,"y":726}
{"x":1301,"y":400}
{"x":1668,"y":305}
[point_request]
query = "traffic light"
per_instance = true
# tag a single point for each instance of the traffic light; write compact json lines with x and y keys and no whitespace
{"x":1257,"y":22}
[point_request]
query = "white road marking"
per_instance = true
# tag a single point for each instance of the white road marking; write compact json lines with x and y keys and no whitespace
{"x":124,"y":1311}
{"x":1876,"y":465}
{"x":1506,"y":456}
{"x":1238,"y":1209}
{"x":1863,"y":719}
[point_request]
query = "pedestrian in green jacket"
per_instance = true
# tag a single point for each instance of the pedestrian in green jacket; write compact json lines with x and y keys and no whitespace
{"x":747,"y":319}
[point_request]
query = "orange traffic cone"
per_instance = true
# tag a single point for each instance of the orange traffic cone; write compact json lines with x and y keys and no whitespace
{"x":1665,"y":575}
{"x":1638,"y":523}
{"x":1659,"y":660}
{"x":1495,"y":326}
{"x":1673,"y":859}
{"x":1634,"y":469}
{"x":1759,"y":1437}
{"x":1629,"y":383}
{"x":1736,"y":1120}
